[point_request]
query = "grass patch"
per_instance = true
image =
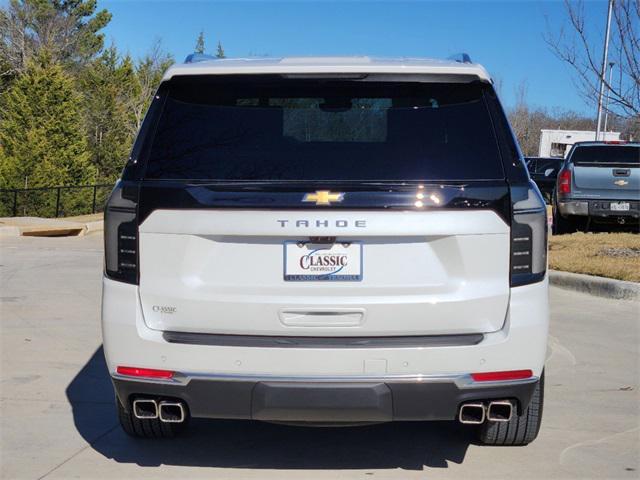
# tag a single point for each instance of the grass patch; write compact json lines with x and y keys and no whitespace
{"x":612,"y":255}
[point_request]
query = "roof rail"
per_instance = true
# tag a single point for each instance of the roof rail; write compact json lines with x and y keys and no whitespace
{"x":460,"y":58}
{"x":198,"y":57}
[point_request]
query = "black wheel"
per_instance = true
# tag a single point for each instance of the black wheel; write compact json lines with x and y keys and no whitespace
{"x":521,"y":429}
{"x":146,"y":428}
{"x":562,"y":226}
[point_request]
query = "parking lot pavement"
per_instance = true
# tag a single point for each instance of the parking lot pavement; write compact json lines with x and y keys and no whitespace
{"x":58,"y":418}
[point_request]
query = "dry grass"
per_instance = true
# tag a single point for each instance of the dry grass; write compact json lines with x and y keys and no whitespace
{"x":613,"y":255}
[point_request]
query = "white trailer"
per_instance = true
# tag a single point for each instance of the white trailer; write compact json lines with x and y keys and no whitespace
{"x":557,"y":143}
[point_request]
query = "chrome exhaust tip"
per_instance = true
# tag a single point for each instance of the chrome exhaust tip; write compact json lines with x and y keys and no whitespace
{"x":499,"y":411}
{"x":171,"y":412}
{"x":145,"y":408}
{"x":472,"y":413}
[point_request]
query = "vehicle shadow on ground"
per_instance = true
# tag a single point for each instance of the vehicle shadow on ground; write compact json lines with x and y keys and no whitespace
{"x":258,"y":445}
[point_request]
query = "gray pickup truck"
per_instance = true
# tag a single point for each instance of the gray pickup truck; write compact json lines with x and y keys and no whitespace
{"x":599,"y":183}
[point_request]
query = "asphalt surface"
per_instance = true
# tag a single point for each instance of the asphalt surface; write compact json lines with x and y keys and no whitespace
{"x":58,"y":418}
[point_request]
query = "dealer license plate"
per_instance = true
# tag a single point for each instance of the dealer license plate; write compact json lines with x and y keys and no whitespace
{"x":338,"y":262}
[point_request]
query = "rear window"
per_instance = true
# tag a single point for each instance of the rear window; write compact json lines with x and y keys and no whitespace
{"x":606,"y":154}
{"x":278,"y":129}
{"x":541,"y":164}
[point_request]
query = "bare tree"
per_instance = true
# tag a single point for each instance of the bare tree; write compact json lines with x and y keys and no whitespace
{"x":527,"y":121}
{"x":575,"y":45}
{"x":149,"y":71}
{"x":521,"y":118}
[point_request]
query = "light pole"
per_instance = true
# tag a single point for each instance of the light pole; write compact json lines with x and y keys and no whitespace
{"x":603,"y":72}
{"x":606,"y":102}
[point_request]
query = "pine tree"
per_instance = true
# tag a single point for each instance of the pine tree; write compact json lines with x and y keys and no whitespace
{"x":108,"y":83}
{"x":199,"y":43}
{"x":220,"y":51}
{"x":42,"y":132}
{"x":69,"y":30}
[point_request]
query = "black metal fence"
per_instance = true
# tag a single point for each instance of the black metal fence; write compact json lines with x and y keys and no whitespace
{"x":63,"y":201}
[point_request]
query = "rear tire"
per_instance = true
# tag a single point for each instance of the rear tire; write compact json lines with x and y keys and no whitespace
{"x":146,"y":428}
{"x":561,"y":225}
{"x":521,"y":429}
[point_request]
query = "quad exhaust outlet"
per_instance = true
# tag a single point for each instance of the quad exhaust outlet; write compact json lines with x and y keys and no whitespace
{"x":472,"y":413}
{"x":171,"y":412}
{"x":499,"y":411}
{"x":145,"y":408}
{"x":166,"y":411}
{"x":475,"y":413}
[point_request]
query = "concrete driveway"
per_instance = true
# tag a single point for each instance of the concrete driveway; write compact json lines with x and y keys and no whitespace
{"x":58,"y":418}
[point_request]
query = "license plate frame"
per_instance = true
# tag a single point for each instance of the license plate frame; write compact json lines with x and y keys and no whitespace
{"x":292,"y":265}
{"x":619,"y":206}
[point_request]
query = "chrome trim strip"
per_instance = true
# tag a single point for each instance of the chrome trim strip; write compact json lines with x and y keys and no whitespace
{"x":463,"y":381}
{"x":528,"y":210}
{"x":170,"y":381}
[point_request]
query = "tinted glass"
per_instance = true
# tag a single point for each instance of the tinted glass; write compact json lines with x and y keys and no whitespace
{"x":542,"y":164}
{"x":606,"y":154}
{"x":257,"y":128}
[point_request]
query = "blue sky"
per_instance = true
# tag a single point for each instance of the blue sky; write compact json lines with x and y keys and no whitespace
{"x":506,"y":37}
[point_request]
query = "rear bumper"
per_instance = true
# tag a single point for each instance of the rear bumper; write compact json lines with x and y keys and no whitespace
{"x":599,"y":209}
{"x":300,"y":400}
{"x":393,"y":381}
{"x":573,"y":207}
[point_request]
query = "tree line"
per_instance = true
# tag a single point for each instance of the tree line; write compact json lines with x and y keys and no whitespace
{"x":528,"y":120}
{"x":70,"y":106}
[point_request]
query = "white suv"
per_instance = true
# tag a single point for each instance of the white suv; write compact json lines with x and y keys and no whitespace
{"x":326,"y":241}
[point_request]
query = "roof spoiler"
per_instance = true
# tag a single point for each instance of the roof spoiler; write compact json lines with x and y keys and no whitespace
{"x":198,"y":57}
{"x":460,"y":58}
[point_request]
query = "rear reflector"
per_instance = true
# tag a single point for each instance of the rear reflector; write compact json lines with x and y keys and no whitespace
{"x":499,"y":376}
{"x":144,"y":372}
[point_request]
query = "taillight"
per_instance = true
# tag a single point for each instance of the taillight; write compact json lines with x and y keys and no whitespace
{"x":121,"y":233}
{"x":502,"y":376}
{"x":528,"y":236}
{"x":144,"y":372}
{"x":564,"y":181}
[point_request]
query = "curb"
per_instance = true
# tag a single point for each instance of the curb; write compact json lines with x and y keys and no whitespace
{"x":91,"y":227}
{"x":47,"y":227}
{"x":599,"y":286}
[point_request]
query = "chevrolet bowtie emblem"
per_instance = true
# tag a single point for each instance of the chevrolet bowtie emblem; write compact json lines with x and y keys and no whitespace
{"x":621,"y":183}
{"x":323,"y":197}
